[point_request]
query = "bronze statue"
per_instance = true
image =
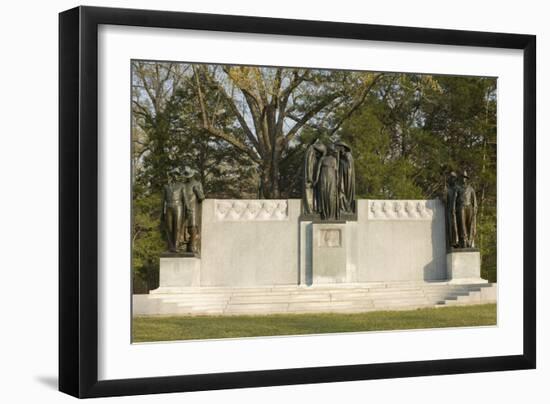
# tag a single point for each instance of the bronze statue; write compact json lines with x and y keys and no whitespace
{"x":181,"y":211}
{"x":327,"y":182}
{"x":310,"y":169}
{"x":192,"y":197}
{"x":346,"y":179}
{"x":173,"y":214}
{"x":466,"y":207}
{"x":450,"y":211}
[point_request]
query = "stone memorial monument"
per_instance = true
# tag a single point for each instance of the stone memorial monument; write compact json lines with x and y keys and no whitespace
{"x":260,"y":256}
{"x":329,"y":206}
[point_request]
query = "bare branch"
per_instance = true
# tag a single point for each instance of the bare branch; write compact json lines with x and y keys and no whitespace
{"x":307,"y":116}
{"x":234,"y":109}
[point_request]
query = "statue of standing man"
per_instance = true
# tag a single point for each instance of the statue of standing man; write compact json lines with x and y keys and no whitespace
{"x":466,"y":207}
{"x":192,"y":196}
{"x":182,"y":213}
{"x":460,"y":212}
{"x":450,"y":211}
{"x":172,"y":212}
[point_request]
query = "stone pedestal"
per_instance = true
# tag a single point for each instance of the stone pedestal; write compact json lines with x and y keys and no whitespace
{"x":328,"y":253}
{"x":179,"y":272}
{"x":464,"y":267}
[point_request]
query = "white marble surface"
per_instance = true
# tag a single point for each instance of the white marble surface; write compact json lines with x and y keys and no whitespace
{"x":262,"y":242}
{"x":394,"y":246}
{"x":329,"y":258}
{"x":250,"y":242}
{"x":464,"y":267}
{"x":179,"y":272}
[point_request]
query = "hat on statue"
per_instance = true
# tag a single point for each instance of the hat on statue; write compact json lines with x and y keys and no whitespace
{"x":188,"y":172}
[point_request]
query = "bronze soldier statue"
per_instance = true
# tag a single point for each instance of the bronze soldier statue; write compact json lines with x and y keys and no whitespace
{"x":173,"y":203}
{"x":450,"y":211}
{"x":192,"y":197}
{"x":466,"y":207}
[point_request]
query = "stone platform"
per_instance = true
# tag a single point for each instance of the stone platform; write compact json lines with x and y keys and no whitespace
{"x":336,"y":298}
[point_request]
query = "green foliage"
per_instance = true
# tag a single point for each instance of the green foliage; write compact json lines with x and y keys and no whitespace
{"x":147,"y":240}
{"x":416,"y":129}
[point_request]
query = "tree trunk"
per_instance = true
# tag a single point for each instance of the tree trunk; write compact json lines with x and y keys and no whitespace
{"x":275,"y":193}
{"x":269,"y":179}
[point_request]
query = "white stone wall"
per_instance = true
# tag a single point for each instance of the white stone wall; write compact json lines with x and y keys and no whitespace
{"x":249,"y":242}
{"x":262,"y":242}
{"x":401,"y":240}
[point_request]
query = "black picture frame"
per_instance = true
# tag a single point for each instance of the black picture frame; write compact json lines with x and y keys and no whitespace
{"x":78,"y":201}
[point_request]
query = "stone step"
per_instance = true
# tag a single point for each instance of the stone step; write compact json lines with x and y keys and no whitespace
{"x":301,"y":289}
{"x":472,"y":298}
{"x":181,"y":299}
{"x":341,"y":298}
{"x":257,"y":307}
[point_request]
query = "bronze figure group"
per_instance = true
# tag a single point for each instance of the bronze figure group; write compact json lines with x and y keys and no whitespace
{"x":461,"y":210}
{"x":181,"y":213}
{"x":329,"y":181}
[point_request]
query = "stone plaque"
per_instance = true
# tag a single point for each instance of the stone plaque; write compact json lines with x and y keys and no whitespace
{"x":330,"y":238}
{"x":328,"y":255}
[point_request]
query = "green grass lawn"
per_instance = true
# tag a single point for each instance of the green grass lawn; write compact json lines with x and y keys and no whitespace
{"x":182,"y":328}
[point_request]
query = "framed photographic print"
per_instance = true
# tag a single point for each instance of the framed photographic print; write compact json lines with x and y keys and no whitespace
{"x":251,"y":201}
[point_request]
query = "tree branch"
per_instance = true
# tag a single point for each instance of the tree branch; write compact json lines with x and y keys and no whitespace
{"x":356,"y":105}
{"x":307,"y":116}
{"x":234,"y":109}
{"x":217,"y":132}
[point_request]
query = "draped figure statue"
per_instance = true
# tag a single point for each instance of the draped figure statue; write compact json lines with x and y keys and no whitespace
{"x":313,"y":154}
{"x":346,"y":178}
{"x":327,"y":183}
{"x":328,"y":190}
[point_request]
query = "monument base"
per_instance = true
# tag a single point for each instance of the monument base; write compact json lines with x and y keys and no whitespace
{"x":179,"y":271}
{"x":464,"y":267}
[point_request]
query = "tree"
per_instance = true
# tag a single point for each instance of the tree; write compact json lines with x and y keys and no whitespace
{"x":271,"y":106}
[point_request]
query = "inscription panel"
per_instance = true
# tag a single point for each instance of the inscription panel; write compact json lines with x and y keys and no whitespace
{"x":330,"y":238}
